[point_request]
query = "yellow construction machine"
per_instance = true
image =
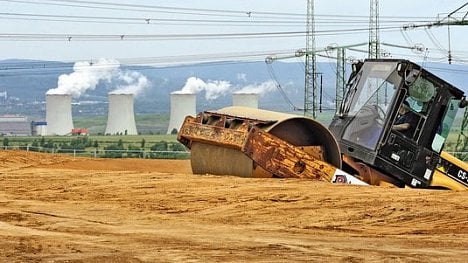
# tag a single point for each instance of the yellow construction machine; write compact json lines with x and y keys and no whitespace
{"x":360,"y":146}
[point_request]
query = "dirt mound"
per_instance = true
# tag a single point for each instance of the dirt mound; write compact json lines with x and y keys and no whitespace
{"x":56,"y":208}
{"x":22,"y":159}
{"x":17,"y":159}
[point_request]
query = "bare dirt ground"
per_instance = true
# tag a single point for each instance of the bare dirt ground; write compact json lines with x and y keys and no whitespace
{"x":63,"y":209}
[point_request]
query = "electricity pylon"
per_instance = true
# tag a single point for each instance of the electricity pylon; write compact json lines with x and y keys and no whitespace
{"x":310,"y":86}
{"x":374,"y":38}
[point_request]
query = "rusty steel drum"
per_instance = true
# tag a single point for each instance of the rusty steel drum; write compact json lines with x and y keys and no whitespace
{"x":208,"y":158}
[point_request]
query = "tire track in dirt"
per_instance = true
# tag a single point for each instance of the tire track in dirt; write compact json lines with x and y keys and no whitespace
{"x":64,"y":209}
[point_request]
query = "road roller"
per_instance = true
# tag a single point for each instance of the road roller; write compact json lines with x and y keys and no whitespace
{"x":389,"y":130}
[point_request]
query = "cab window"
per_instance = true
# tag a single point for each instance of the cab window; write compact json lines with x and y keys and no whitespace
{"x":446,"y":124}
{"x":421,"y":95}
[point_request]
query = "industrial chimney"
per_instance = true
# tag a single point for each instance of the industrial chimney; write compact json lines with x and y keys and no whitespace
{"x":245,"y":99}
{"x":182,"y":104}
{"x":121,"y":117}
{"x":58,"y":114}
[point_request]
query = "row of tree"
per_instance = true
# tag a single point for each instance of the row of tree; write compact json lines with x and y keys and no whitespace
{"x":161,"y":149}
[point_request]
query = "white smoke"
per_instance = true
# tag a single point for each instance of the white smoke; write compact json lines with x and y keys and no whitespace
{"x":260,"y":89}
{"x":133,"y":83}
{"x":213,"y":89}
{"x":86,"y":76}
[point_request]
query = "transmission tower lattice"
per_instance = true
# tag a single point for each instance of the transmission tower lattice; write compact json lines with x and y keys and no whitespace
{"x":462,"y":140}
{"x":340,"y":76}
{"x":374,"y":38}
{"x":310,"y":87}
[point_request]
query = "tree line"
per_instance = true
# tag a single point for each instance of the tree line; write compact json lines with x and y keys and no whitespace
{"x":119,"y":149}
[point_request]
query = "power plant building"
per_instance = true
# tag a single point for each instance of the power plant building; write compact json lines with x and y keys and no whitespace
{"x":14,"y":125}
{"x":39,"y":128}
{"x":59,"y":114}
{"x":247,"y":99}
{"x":182,"y":104}
{"x":121,"y":117}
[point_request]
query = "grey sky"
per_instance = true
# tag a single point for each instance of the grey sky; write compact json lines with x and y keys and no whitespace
{"x":52,"y":19}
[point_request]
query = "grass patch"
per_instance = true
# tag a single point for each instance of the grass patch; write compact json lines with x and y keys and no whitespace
{"x":146,"y":123}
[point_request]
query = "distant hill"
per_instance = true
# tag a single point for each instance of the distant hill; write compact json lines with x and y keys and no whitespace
{"x":28,"y":81}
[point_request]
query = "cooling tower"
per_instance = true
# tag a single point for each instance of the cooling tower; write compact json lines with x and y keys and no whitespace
{"x":245,"y":99}
{"x":121,"y":117}
{"x":182,"y":104}
{"x":58,"y":114}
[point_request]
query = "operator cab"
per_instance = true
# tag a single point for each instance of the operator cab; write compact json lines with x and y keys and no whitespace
{"x":365,"y":125}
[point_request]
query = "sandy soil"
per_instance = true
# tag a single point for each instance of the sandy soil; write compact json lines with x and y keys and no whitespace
{"x":64,"y":209}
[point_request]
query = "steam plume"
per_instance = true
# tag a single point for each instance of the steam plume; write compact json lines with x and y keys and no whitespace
{"x":86,"y":76}
{"x":132,"y":83}
{"x":260,"y":89}
{"x":213,"y":89}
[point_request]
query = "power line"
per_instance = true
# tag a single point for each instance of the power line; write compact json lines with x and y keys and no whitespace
{"x":143,"y":37}
{"x":176,"y":21}
{"x":139,"y":68}
{"x":196,"y":11}
{"x":342,"y":24}
{"x":278,"y":86}
{"x":165,"y":60}
{"x":152,"y":8}
{"x":212,"y":12}
{"x":135,"y":37}
{"x":143,"y":20}
{"x":175,"y":8}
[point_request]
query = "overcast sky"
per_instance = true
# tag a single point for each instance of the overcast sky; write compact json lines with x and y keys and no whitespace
{"x":158,"y":32}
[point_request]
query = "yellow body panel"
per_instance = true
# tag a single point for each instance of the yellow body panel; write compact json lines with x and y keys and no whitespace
{"x":440,"y":177}
{"x":447,"y":156}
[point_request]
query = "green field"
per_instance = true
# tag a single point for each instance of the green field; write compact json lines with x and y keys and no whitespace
{"x":123,"y":146}
{"x":103,"y":140}
{"x":152,"y":141}
{"x":146,"y":123}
